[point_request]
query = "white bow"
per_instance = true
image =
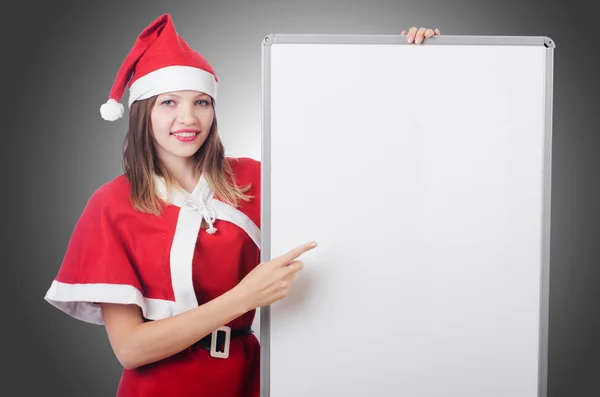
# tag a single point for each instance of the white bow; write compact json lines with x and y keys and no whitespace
{"x":208,"y":214}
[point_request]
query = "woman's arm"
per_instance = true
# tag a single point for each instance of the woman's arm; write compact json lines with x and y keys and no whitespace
{"x":137,"y":343}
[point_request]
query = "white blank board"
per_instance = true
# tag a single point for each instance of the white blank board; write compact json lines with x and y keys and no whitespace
{"x":423,"y":173}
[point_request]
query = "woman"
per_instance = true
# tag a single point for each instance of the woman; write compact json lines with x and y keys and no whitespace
{"x":166,"y":256}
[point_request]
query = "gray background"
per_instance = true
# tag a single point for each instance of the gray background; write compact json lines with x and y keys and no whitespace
{"x":59,"y":64}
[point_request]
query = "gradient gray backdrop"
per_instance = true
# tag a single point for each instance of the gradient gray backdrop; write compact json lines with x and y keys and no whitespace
{"x":59,"y":66}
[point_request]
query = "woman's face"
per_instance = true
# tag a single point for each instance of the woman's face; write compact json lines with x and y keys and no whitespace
{"x":181,"y":121}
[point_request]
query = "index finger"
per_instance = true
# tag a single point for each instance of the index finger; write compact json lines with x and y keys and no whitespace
{"x":295,"y":253}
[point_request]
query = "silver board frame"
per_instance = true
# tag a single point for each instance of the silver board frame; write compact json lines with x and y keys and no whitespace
{"x":544,"y":41}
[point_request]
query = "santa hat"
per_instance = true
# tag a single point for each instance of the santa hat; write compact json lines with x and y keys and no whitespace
{"x":160,"y":61}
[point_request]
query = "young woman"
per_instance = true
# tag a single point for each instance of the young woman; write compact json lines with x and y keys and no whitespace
{"x":167,"y":255}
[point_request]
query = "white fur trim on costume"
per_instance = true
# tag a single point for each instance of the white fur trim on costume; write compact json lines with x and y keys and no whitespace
{"x":111,"y":110}
{"x":188,"y":226}
{"x":173,"y":78}
{"x":175,"y":196}
{"x":223,"y":211}
{"x":181,"y":257}
{"x":230,"y":214}
{"x":193,"y":206}
{"x":82,"y":301}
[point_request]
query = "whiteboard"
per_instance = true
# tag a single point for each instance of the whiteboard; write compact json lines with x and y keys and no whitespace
{"x":423,"y":172}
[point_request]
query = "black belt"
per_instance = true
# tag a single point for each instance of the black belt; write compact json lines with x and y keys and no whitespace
{"x":221,"y":334}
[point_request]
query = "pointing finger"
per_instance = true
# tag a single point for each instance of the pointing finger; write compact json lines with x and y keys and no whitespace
{"x":286,"y":258}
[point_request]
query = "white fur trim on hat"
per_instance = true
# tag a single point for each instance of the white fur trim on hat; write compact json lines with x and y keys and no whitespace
{"x":173,"y":78}
{"x":111,"y":110}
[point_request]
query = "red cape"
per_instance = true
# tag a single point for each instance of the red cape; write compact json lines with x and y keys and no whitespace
{"x":166,"y":265}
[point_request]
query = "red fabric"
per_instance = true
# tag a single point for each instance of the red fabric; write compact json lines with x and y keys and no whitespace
{"x":112,"y":243}
{"x":157,"y":46}
{"x":194,"y":373}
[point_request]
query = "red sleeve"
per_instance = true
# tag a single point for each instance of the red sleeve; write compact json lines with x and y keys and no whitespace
{"x":96,"y":266}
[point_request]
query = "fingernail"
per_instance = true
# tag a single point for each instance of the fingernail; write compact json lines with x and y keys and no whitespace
{"x":410,"y":38}
{"x":313,"y":244}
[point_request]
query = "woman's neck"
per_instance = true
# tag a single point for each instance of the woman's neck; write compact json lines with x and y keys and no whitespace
{"x":184,"y":171}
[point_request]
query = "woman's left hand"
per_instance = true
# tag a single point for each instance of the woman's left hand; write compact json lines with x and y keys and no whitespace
{"x":418,"y":35}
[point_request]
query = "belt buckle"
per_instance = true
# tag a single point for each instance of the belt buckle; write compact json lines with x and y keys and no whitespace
{"x":213,"y":342}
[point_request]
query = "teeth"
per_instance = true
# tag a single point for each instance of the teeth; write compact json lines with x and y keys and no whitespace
{"x":185,"y":134}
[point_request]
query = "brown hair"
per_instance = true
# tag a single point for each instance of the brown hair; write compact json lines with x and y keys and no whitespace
{"x":141,"y":164}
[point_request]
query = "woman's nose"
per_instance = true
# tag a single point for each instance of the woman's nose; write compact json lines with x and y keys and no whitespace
{"x":185,"y":115}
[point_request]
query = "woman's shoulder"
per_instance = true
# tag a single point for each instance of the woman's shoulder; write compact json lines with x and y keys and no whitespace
{"x":244,"y":162}
{"x":245,"y":168}
{"x":113,"y":194}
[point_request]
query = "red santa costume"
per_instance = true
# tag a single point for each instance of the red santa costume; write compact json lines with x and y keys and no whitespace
{"x":167,"y":264}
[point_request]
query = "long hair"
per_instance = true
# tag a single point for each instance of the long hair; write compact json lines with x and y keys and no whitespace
{"x":141,"y":163}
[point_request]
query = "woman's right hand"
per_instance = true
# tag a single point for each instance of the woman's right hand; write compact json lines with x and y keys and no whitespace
{"x":270,"y":281}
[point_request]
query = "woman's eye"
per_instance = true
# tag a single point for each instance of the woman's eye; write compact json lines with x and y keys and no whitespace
{"x":168,"y":102}
{"x":202,"y":102}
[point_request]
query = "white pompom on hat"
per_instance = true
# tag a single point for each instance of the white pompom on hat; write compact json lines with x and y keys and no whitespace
{"x":160,"y":61}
